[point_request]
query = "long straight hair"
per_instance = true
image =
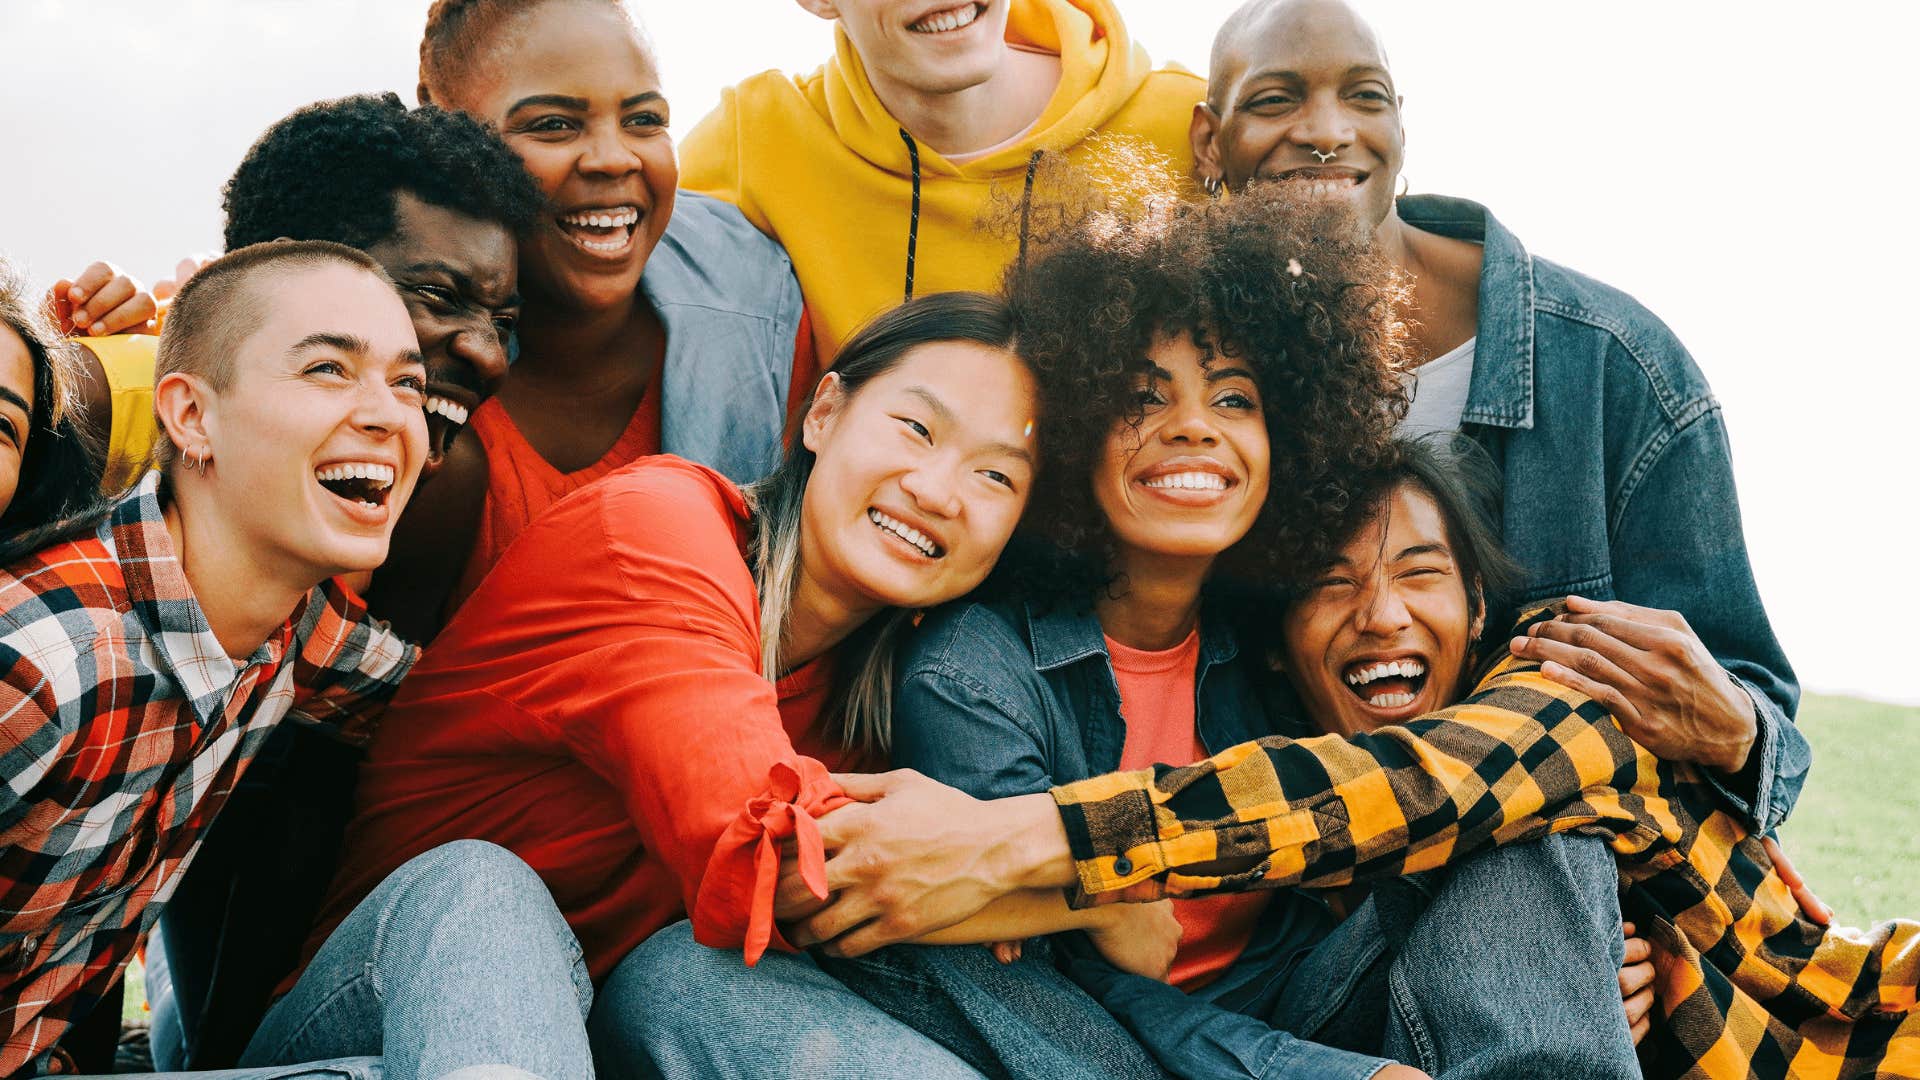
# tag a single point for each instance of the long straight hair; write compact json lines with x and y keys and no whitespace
{"x":860,"y":704}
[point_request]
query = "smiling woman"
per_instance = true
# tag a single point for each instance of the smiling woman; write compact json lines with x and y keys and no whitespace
{"x":49,"y":465}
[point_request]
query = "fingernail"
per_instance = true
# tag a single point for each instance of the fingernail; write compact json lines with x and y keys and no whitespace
{"x":1520,"y":644}
{"x":80,"y":318}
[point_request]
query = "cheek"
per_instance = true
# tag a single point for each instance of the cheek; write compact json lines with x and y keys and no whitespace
{"x":548,"y":165}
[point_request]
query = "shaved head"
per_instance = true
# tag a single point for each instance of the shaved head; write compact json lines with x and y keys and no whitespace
{"x":1250,"y":32}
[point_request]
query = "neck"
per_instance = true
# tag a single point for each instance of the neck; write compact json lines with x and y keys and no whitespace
{"x":984,"y":115}
{"x":562,"y":344}
{"x":1445,"y":307}
{"x":820,"y":618}
{"x":245,"y":598}
{"x":1161,"y":602}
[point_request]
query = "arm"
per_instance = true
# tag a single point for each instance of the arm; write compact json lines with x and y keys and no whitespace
{"x":348,"y":665}
{"x":431,"y":543}
{"x":1686,"y":659}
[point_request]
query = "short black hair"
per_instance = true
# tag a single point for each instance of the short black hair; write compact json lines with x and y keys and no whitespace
{"x":330,"y":172}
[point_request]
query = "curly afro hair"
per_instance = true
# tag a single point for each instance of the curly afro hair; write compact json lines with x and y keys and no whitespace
{"x":330,"y":171}
{"x":1286,"y":292}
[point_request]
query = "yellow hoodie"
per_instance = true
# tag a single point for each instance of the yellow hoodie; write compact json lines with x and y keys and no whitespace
{"x":818,"y":164}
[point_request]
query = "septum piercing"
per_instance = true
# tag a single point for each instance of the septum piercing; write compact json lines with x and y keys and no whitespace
{"x":1324,"y":158}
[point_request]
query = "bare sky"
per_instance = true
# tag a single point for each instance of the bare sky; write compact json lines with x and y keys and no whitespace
{"x":1739,"y":167}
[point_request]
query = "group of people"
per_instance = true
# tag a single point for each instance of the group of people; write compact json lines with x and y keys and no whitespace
{"x":995,"y":559}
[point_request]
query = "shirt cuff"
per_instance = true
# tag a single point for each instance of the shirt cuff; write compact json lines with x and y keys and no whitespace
{"x":1748,"y":792}
{"x":733,"y":908}
{"x":1112,"y":837}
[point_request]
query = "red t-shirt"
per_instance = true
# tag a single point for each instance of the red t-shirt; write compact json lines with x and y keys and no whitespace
{"x":597,"y":708}
{"x":1157,"y":702}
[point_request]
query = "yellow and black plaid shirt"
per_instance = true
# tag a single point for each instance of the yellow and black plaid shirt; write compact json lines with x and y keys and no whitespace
{"x":1748,"y":987}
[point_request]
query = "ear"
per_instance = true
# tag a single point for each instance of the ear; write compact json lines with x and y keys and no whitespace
{"x":825,"y":9}
{"x":1202,"y":132}
{"x":827,"y":399}
{"x":183,"y":404}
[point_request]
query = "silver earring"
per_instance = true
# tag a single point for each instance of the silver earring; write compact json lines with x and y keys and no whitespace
{"x":195,"y":460}
{"x":1212,"y":184}
{"x":1324,"y":158}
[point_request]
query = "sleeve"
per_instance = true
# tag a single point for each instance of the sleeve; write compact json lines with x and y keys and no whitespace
{"x":1521,"y":757}
{"x":348,"y":665}
{"x":658,"y":690}
{"x":710,"y":158}
{"x":951,"y":726}
{"x":1677,"y":544}
{"x":32,"y":740}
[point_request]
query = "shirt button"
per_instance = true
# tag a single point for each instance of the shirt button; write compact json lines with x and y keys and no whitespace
{"x":1123,"y":866}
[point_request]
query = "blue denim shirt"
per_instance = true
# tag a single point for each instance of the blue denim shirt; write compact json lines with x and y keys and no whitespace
{"x":1001,"y":699}
{"x":1619,"y":479}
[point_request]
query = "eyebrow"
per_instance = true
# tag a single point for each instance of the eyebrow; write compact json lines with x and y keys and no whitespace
{"x":1288,"y":73}
{"x":1423,"y":549}
{"x":7,"y":394}
{"x":637,"y":99}
{"x":1216,"y":374}
{"x":330,"y":339}
{"x":579,"y":104}
{"x":461,"y":280}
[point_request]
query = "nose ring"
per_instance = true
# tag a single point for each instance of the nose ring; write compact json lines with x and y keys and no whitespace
{"x":1324,"y":158}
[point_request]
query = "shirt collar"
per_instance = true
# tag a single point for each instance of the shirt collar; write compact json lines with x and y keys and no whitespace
{"x":1501,"y":394}
{"x":163,"y":601}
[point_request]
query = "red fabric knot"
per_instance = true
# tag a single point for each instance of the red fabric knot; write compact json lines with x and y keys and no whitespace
{"x":734,"y":906}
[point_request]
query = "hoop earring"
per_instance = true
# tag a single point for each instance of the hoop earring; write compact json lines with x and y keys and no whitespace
{"x":1212,"y":184}
{"x":1404,"y":186}
{"x":196,"y":460}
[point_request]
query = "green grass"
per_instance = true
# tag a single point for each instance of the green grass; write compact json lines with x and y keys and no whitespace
{"x":1855,"y":834}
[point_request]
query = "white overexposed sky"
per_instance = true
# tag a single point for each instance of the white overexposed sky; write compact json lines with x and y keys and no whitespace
{"x":1738,"y":167}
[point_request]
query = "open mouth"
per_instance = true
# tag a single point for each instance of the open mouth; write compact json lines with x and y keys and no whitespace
{"x":1321,"y":182}
{"x":1387,"y":684}
{"x":605,"y":230}
{"x":448,"y":409}
{"x":948,"y":20}
{"x":363,"y":485}
{"x":906,"y":534}
{"x":1187,"y":485}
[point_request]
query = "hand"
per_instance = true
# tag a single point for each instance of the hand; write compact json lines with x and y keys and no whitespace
{"x":1651,"y":671}
{"x":913,"y":856}
{"x":1401,"y":1072}
{"x":1007,"y":952}
{"x":167,"y":288}
{"x":1636,"y":984}
{"x":1818,"y":913}
{"x":1140,"y":938}
{"x":101,"y":300}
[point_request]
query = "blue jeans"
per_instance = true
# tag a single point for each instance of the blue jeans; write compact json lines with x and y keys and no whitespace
{"x":677,"y":1010}
{"x":1504,"y":966}
{"x":457,"y":966}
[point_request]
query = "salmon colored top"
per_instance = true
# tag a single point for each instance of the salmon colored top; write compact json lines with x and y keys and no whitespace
{"x":597,"y":708}
{"x":1157,"y":702}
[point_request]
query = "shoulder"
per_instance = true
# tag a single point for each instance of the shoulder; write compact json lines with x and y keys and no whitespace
{"x":1635,"y":334}
{"x":968,"y":638}
{"x":658,"y":509}
{"x":715,"y":258}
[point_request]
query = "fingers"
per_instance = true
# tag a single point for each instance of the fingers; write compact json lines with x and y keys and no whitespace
{"x":130,"y":315}
{"x":868,"y":787}
{"x":1632,"y":632}
{"x":1006,"y":952}
{"x":166,"y":288}
{"x":841,"y":914}
{"x":793,"y":898}
{"x":1639,"y":1030}
{"x":1639,"y":950}
{"x":1586,"y":671}
{"x":60,"y":305}
{"x":1635,"y":977}
{"x":1580,"y":605}
{"x":1815,"y":910}
{"x":874,"y":934}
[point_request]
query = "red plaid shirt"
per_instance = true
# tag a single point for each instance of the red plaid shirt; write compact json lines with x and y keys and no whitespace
{"x":123,"y":728}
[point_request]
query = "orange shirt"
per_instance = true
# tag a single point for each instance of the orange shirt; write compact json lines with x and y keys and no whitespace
{"x":1157,"y":702}
{"x":597,"y":708}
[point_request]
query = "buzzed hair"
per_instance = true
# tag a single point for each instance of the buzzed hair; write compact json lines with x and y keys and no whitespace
{"x":215,"y":311}
{"x":1230,"y":34}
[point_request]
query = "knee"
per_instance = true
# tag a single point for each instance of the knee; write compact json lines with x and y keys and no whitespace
{"x":671,"y":971}
{"x":470,"y":873}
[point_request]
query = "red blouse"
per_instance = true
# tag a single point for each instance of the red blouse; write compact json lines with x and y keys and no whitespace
{"x":597,"y":708}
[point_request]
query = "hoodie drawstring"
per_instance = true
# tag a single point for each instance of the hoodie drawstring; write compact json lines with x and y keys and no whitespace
{"x":913,"y":225}
{"x":1026,"y":205}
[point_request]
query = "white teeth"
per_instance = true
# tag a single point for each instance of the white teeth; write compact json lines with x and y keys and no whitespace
{"x":611,"y":217}
{"x":1404,"y":669}
{"x":357,"y":470}
{"x":452,"y":410}
{"x":905,"y":532}
{"x":1189,"y":481}
{"x":947,"y":20}
{"x":1390,"y":701}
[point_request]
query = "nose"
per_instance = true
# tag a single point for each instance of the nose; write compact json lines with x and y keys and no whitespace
{"x":1383,"y":611}
{"x":1189,"y":422}
{"x":1323,"y":125}
{"x":482,"y":346}
{"x":606,"y":152}
{"x":934,"y":487}
{"x":381,"y":411}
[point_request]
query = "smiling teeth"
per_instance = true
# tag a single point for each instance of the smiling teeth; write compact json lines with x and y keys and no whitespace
{"x":1189,"y":481}
{"x":1390,"y":701}
{"x":947,"y":20}
{"x":905,"y":532}
{"x":381,"y":475}
{"x":616,"y":217}
{"x":452,"y":410}
{"x":1402,"y":669}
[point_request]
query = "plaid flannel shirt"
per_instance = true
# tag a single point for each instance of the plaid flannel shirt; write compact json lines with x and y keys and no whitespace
{"x":1747,"y":986}
{"x":123,"y":728}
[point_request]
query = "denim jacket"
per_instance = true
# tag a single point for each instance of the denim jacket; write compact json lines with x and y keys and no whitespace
{"x":1619,"y":479}
{"x":1001,"y":699}
{"x":731,"y":307}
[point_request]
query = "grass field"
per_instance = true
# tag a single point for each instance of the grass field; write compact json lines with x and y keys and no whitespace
{"x":1855,"y":835}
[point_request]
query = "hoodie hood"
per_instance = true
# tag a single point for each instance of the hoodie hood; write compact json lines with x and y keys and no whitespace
{"x":1100,"y":71}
